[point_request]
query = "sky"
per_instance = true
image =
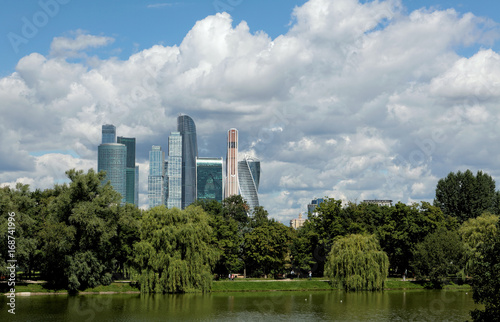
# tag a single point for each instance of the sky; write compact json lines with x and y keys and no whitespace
{"x":348,"y":99}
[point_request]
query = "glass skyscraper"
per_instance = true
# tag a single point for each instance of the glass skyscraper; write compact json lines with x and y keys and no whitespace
{"x":131,"y":171}
{"x":112,"y":158}
{"x":249,"y":177}
{"x":187,"y":130}
{"x":155,"y":178}
{"x":231,"y":164}
{"x":108,"y":133}
{"x":174,"y":166}
{"x":209,"y":179}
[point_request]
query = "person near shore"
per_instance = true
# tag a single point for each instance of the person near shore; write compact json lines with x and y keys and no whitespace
{"x":310,"y":275}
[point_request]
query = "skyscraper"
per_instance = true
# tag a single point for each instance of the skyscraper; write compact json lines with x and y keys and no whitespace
{"x":108,"y":133}
{"x":209,"y":178}
{"x":174,"y":171}
{"x":249,"y":176}
{"x":232,"y":163}
{"x":187,"y":130}
{"x":112,"y":158}
{"x":155,"y":178}
{"x":130,"y":170}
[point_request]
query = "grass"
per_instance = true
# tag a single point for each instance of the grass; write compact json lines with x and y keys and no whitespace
{"x":43,"y":288}
{"x":238,"y":285}
{"x":269,"y":285}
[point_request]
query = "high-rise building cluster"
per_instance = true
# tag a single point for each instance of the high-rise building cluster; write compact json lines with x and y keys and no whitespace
{"x":178,"y":176}
{"x":116,"y":156}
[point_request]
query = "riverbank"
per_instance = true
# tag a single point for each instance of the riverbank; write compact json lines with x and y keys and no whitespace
{"x":238,"y":285}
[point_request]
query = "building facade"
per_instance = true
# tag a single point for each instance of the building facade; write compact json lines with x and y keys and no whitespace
{"x":108,"y":133}
{"x":156,"y":177}
{"x":174,"y":166}
{"x":130,"y":169}
{"x":112,"y":158}
{"x":297,"y":222}
{"x":311,"y":208}
{"x":209,"y":179}
{"x":248,"y":178}
{"x":187,"y":130}
{"x":231,"y":187}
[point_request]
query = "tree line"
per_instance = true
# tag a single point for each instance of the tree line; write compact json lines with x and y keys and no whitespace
{"x":78,"y":235}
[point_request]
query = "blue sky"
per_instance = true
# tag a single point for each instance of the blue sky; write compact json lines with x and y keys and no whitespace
{"x":342,"y":98}
{"x":137,"y":25}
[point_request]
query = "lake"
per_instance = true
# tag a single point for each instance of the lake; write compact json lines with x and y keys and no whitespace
{"x":418,"y":305}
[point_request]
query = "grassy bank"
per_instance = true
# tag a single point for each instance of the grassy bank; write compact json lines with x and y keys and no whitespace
{"x":239,"y":285}
{"x":43,"y":288}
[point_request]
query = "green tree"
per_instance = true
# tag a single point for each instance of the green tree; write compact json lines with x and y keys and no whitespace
{"x":76,"y":239}
{"x":227,"y":238}
{"x":356,"y":262}
{"x":465,"y":196}
{"x":486,"y":286}
{"x":266,"y":248}
{"x":439,"y":256}
{"x":175,"y":253}
{"x":474,"y":233}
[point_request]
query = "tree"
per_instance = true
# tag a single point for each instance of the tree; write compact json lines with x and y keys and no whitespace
{"x":465,"y":196}
{"x":401,"y":227}
{"x":226,"y":237}
{"x":266,"y":248}
{"x":474,"y":233}
{"x":356,"y":262}
{"x":438,"y":256}
{"x":486,"y":285}
{"x":175,"y":252}
{"x":76,"y":239}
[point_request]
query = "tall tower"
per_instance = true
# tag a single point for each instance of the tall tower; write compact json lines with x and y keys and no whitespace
{"x":232,"y":163}
{"x":108,"y":133}
{"x":112,"y":158}
{"x":174,"y":171}
{"x":249,"y":176}
{"x":187,"y":130}
{"x":155,"y":178}
{"x":130,"y":169}
{"x":209,"y":179}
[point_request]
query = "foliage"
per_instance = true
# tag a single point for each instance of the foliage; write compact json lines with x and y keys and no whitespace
{"x":175,"y":252}
{"x":76,"y":239}
{"x":356,"y":262}
{"x":439,"y":256}
{"x":486,"y":286}
{"x":464,"y":195}
{"x":226,"y":237}
{"x":303,"y":255}
{"x":266,"y":248}
{"x":474,"y":233}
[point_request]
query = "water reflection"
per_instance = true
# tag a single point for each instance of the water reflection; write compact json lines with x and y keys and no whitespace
{"x":249,"y":306}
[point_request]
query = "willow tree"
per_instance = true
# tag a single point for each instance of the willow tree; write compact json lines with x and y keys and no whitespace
{"x":175,"y":254}
{"x":356,"y":262}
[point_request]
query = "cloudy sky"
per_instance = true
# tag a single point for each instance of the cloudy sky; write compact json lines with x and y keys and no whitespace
{"x":342,"y":98}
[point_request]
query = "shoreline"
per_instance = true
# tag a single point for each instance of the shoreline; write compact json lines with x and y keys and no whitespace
{"x":223,"y":286}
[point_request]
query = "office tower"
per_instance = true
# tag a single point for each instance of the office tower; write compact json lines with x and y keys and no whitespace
{"x":209,"y":179}
{"x":232,"y":163}
{"x":112,"y":158}
{"x":131,"y":171}
{"x":136,"y":190}
{"x":311,"y":208}
{"x":248,"y":177}
{"x":174,"y":173}
{"x":187,"y":130}
{"x":108,"y":133}
{"x":155,"y":178}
